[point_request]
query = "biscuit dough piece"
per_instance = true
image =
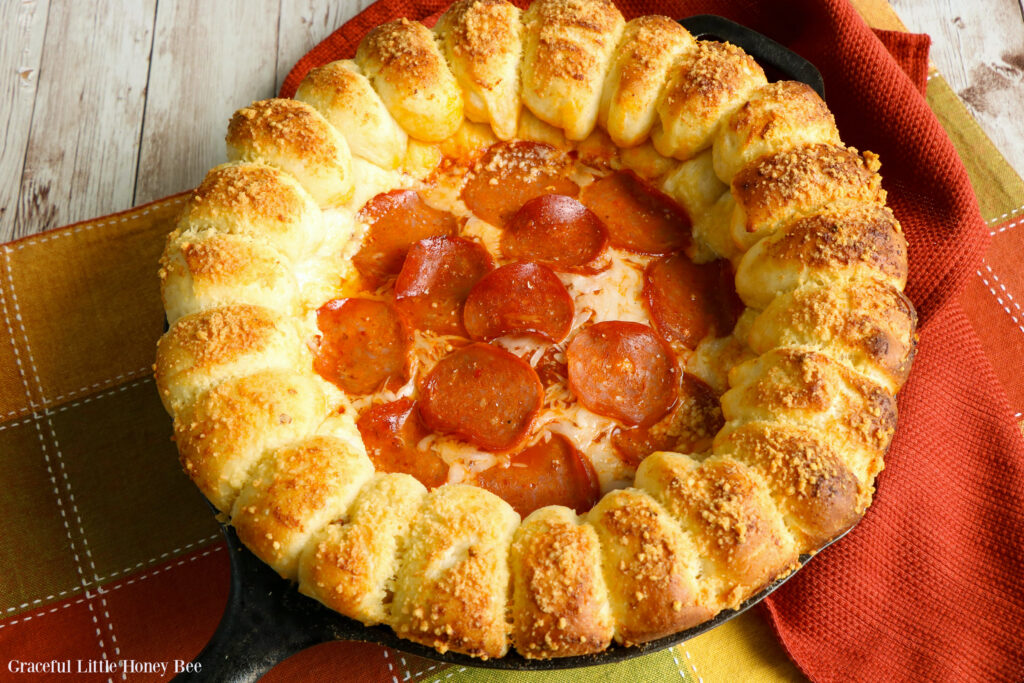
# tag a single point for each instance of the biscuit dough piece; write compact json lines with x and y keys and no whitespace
{"x":229,"y":428}
{"x":293,"y":493}
{"x":296,"y":138}
{"x":651,"y":568}
{"x":650,"y":45}
{"x":704,"y":88}
{"x":560,"y":602}
{"x":344,"y":96}
{"x":452,"y":586}
{"x":482,"y":41}
{"x":350,"y":565}
{"x":407,"y":70}
{"x":567,"y":49}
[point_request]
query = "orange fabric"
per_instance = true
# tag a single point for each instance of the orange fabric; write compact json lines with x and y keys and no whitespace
{"x":936,"y":563}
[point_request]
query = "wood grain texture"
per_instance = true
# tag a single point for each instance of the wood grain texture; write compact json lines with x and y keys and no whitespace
{"x":978,"y":45}
{"x":304,"y":23}
{"x":92,"y":125}
{"x":22,"y":27}
{"x":84,"y":138}
{"x":205,"y":65}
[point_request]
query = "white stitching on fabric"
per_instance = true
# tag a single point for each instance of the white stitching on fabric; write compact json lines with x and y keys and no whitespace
{"x":46,"y":402}
{"x":391,"y":667}
{"x":693,"y":667}
{"x":1006,"y":227}
{"x":420,"y":673}
{"x":119,"y":572}
{"x":57,"y":234}
{"x":111,"y":589}
{"x":56,"y":446}
{"x":679,"y":666}
{"x":161,"y":556}
{"x":999,"y":298}
{"x":75,"y":404}
{"x":995,"y":279}
{"x":1014,"y":212}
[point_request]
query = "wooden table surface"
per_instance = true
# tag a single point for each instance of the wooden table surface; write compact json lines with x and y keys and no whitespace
{"x":109,"y":104}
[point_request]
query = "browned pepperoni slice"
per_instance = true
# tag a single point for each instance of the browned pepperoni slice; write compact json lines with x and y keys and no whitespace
{"x":511,"y":174}
{"x":391,"y":432}
{"x":638,"y":217}
{"x":482,"y":394}
{"x":689,"y":428}
{"x":624,"y":371}
{"x":435,"y":280}
{"x":557,"y":231}
{"x":549,"y":472}
{"x":397,"y":220}
{"x":687,"y":300}
{"x":364,"y":345}
{"x":520,"y":298}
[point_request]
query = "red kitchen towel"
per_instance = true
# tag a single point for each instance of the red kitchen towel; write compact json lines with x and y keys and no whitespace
{"x":929,"y":585}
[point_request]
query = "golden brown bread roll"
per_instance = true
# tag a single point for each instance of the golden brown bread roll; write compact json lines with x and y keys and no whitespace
{"x":800,"y":386}
{"x":843,"y":242}
{"x":729,"y":515}
{"x":560,"y":602}
{"x":704,"y":87}
{"x":650,"y":45}
{"x":350,"y":566}
{"x":452,"y":586}
{"x":567,"y":48}
{"x":777,"y":117}
{"x":296,"y":138}
{"x":650,"y":566}
{"x":482,"y":41}
{"x":869,"y":326}
{"x":227,"y":430}
{"x":818,"y":494}
{"x":340,"y":92}
{"x":782,"y":187}
{"x":200,"y":350}
{"x":293,"y":493}
{"x":407,"y":70}
{"x":205,"y":268}
{"x":257,"y":200}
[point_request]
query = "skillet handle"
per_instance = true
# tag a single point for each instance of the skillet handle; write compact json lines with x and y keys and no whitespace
{"x":777,"y":58}
{"x":260,"y":626}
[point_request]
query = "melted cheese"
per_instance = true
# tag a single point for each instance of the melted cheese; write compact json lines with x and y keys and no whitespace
{"x":615,"y":293}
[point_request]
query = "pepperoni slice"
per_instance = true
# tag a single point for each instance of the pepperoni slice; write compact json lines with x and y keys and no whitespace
{"x":482,"y":394}
{"x":520,"y":298}
{"x":624,"y":371}
{"x":549,"y":472}
{"x":557,"y":231}
{"x":638,"y":217}
{"x":391,"y":433}
{"x":511,"y":174}
{"x":689,"y":428}
{"x":397,"y":219}
{"x":435,"y":280}
{"x":364,"y":345}
{"x":688,"y":300}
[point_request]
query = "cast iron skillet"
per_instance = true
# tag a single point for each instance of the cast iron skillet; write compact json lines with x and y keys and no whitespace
{"x":267,"y":620}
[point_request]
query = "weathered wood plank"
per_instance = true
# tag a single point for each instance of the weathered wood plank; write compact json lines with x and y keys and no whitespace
{"x":84,"y":140}
{"x":22,"y":27}
{"x":209,"y":59}
{"x":306,"y":23}
{"x":979,"y":48}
